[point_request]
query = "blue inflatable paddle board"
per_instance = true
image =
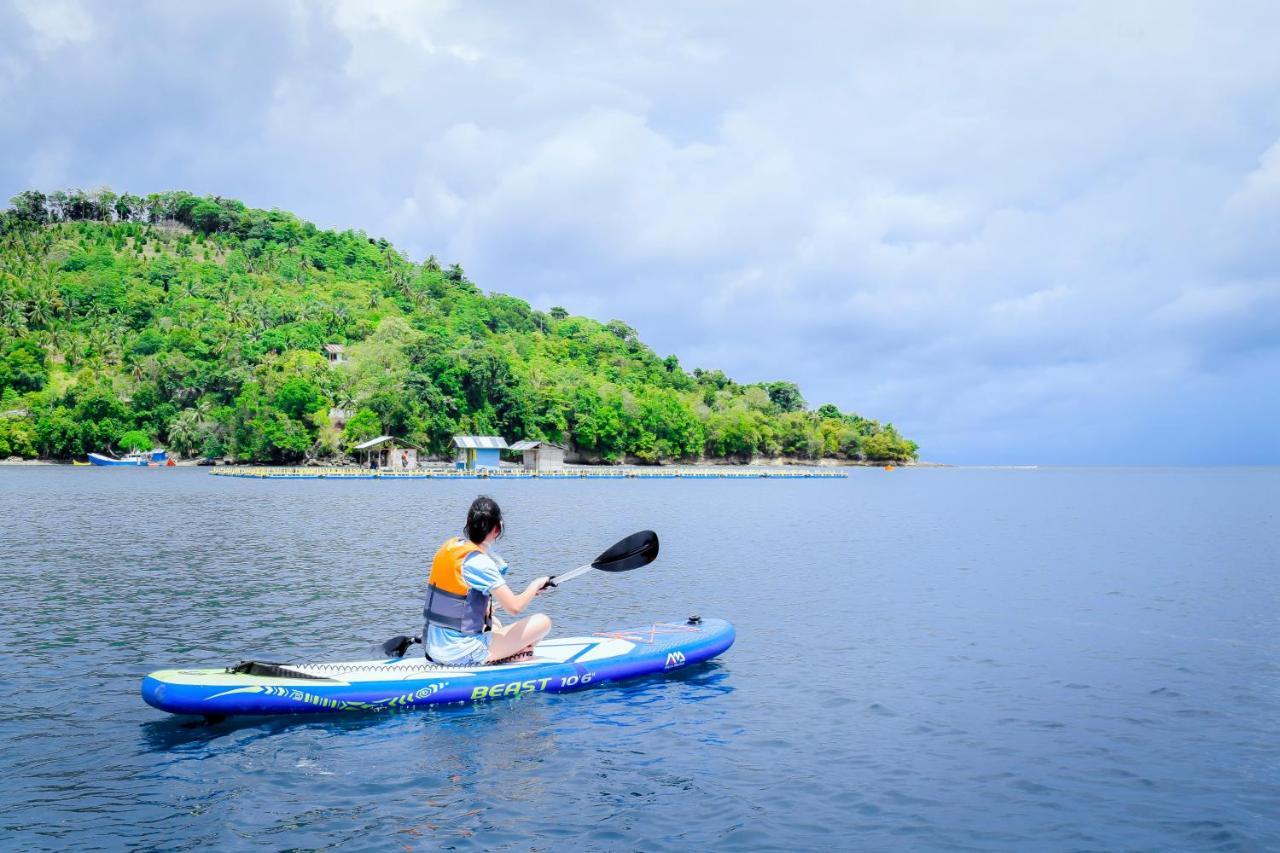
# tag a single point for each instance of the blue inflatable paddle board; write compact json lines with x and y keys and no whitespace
{"x":558,"y":665}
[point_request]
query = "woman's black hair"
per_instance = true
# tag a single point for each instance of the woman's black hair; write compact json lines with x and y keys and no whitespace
{"x":482,"y":518}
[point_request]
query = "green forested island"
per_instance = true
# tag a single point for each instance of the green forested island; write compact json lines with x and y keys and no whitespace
{"x":201,"y":325}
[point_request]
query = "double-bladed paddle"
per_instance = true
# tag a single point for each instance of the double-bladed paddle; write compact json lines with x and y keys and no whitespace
{"x":638,"y":549}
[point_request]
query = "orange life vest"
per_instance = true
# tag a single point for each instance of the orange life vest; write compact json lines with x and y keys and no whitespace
{"x":450,"y":602}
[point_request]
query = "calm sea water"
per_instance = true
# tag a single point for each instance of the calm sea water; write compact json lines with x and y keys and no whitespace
{"x":949,"y":658}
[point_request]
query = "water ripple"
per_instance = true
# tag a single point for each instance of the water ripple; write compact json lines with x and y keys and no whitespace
{"x":948,"y":659}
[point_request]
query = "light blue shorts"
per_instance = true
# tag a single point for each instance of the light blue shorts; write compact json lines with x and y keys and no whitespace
{"x":468,"y":651}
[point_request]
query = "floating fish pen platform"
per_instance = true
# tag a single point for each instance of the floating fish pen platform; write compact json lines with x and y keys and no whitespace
{"x":518,"y":474}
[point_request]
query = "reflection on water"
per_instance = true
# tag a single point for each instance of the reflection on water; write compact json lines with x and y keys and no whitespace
{"x":933,"y":659}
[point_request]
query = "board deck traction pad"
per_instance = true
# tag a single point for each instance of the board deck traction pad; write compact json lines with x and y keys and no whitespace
{"x":558,"y":665}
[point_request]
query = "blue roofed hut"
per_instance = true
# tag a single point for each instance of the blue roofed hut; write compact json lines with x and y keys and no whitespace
{"x":478,"y":452}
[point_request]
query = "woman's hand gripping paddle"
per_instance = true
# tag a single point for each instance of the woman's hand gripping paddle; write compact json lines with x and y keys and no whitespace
{"x":638,"y":549}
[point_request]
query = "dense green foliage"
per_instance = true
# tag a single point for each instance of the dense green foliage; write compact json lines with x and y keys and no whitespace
{"x":199,"y":323}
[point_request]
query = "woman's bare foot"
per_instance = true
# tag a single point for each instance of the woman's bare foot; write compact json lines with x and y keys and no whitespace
{"x":523,"y":655}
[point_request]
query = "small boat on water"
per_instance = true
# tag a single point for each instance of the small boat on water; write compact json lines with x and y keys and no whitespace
{"x":138,"y":458}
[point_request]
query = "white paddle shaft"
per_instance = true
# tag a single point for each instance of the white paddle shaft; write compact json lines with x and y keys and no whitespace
{"x":573,"y":573}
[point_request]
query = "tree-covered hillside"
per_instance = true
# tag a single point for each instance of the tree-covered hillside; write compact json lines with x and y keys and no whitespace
{"x":199,"y":324}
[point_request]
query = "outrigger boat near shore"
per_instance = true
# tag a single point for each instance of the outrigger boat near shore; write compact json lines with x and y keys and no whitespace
{"x":156,"y":456}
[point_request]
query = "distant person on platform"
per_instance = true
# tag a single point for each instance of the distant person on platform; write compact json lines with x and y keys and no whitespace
{"x":466,"y":577}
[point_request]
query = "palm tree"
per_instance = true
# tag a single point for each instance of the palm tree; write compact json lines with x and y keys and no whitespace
{"x":261,"y":315}
{"x":236,"y":313}
{"x":11,"y":307}
{"x":39,"y":307}
{"x":269,"y":258}
{"x":187,"y":432}
{"x":97,"y":341}
{"x":13,"y":319}
{"x":338,"y":315}
{"x":58,"y":339}
{"x":204,"y":408}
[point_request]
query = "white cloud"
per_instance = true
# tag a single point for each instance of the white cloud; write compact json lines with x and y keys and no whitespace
{"x":56,"y":23}
{"x":1260,"y":193}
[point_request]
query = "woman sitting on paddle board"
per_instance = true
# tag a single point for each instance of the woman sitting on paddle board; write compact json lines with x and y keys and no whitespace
{"x":466,"y":577}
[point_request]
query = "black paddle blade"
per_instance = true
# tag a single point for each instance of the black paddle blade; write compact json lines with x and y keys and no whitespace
{"x":397,"y":645}
{"x":638,"y":549}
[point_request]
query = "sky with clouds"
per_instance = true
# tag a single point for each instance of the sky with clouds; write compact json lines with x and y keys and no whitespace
{"x":1024,"y":232}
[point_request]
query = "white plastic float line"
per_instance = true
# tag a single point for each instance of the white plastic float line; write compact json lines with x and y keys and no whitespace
{"x":359,"y":474}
